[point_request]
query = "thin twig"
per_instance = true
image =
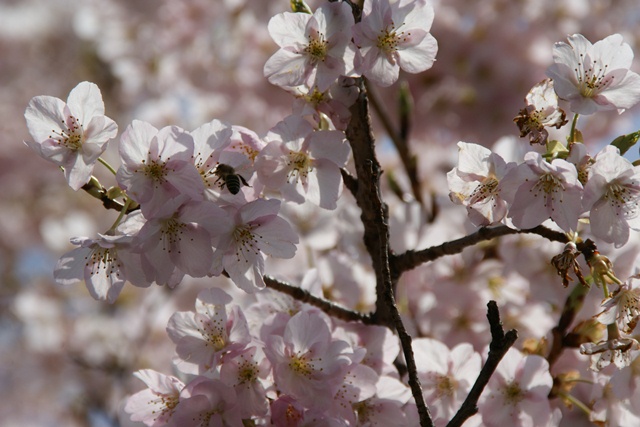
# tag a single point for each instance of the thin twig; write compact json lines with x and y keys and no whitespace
{"x":411,"y":259}
{"x":500,"y":344}
{"x":329,"y":307}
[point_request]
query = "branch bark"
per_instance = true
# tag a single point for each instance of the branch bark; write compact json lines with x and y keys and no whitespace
{"x":500,"y":344}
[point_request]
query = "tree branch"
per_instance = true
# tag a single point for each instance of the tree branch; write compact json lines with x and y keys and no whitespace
{"x":329,"y":307}
{"x":374,"y":217}
{"x":411,"y":259}
{"x":500,"y":344}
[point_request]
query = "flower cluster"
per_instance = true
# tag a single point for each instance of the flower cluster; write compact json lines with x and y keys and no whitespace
{"x":237,"y":364}
{"x":564,"y":184}
{"x":317,"y":49}
{"x":198,"y":215}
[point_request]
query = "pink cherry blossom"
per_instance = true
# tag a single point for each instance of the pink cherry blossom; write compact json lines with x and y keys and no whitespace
{"x":212,"y":148}
{"x":517,"y":393}
{"x":332,"y":103}
{"x":302,"y":163}
{"x":540,"y":190}
{"x":314,"y":49}
{"x":476,"y":183}
{"x":180,"y":234}
{"x":613,"y":401}
{"x":73,"y":134}
{"x":446,"y":375}
{"x":595,"y":77}
{"x":206,"y":403}
{"x":156,"y":404}
{"x":307,"y":363}
{"x":104,"y":264}
{"x":386,"y":408}
{"x":251,"y":231}
{"x":247,"y":373}
{"x":157,"y":165}
{"x":212,"y":332}
{"x":392,"y":35}
{"x":612,"y":195}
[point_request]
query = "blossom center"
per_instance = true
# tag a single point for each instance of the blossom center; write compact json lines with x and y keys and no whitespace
{"x":245,"y":240}
{"x":317,"y":47}
{"x":212,"y":332}
{"x":622,"y":197}
{"x":301,"y":365}
{"x":445,"y":386}
{"x":316,"y":97}
{"x":593,"y":78}
{"x":103,"y":259}
{"x":549,"y":184}
{"x":486,"y":189}
{"x":390,"y":38}
{"x":300,"y":165}
{"x":166,"y":405}
{"x":70,"y":135}
{"x":248,"y":151}
{"x":513,"y":393}
{"x":172,"y":232}
{"x":247,"y":373}
{"x":156,"y":170}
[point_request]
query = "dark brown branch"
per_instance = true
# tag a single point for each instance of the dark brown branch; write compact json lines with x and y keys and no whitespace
{"x":349,"y":181}
{"x":329,"y":307}
{"x":411,"y":259}
{"x":376,"y":236}
{"x":500,"y":344}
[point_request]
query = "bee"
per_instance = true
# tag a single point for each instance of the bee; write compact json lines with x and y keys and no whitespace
{"x":226,"y":175}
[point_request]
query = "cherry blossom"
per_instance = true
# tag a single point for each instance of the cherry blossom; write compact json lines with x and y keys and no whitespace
{"x":518,"y":392}
{"x":249,"y":232}
{"x":314,"y":49}
{"x":302,"y":163}
{"x":156,"y":404}
{"x":446,"y":375}
{"x":213,"y":331}
{"x":180,"y":234}
{"x":539,"y":190}
{"x":104,"y":264}
{"x":613,"y":402}
{"x":73,"y":134}
{"x":208,"y":402}
{"x":247,"y":373}
{"x":392,"y":35}
{"x":541,"y":111}
{"x":476,"y":183}
{"x":387,"y":407}
{"x":307,"y":363}
{"x":595,"y":77}
{"x":611,"y":196}
{"x":157,"y":165}
{"x":332,"y":103}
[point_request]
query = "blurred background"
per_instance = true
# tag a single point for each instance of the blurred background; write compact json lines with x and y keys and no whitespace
{"x":66,"y":359}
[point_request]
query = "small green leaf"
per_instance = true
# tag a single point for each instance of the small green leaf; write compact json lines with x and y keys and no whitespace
{"x":556,"y":150}
{"x":624,"y":142}
{"x":300,"y":6}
